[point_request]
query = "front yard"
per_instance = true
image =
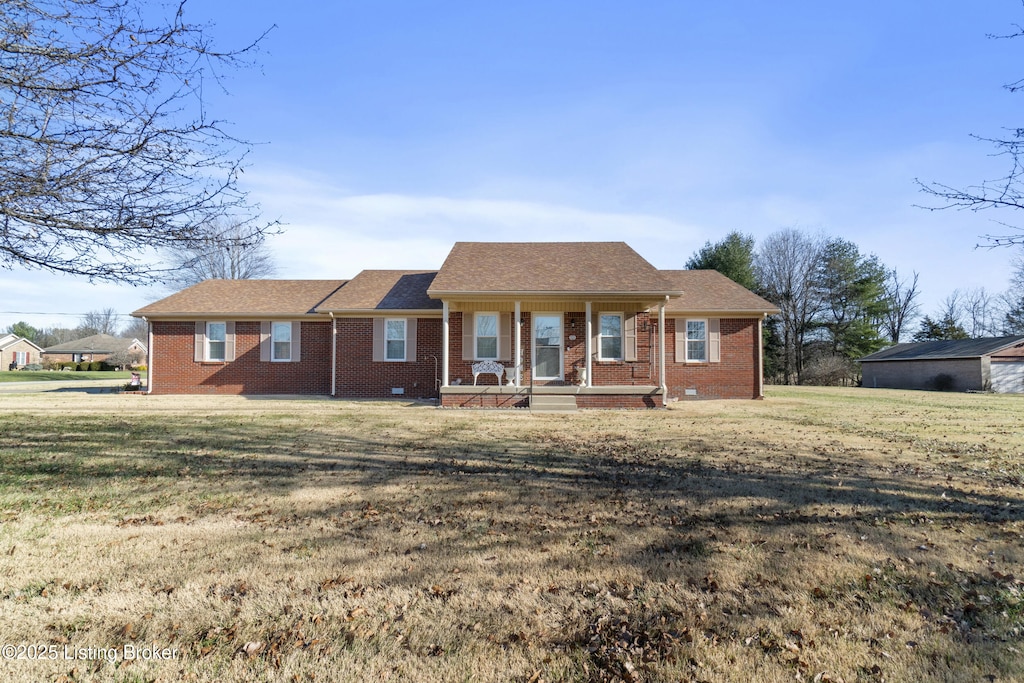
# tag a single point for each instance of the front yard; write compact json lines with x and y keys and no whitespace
{"x":819,"y":535}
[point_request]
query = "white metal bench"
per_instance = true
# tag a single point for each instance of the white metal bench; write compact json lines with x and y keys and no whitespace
{"x":486,"y":367}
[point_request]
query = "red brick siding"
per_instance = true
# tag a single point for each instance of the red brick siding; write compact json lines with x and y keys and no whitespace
{"x":734,"y":377}
{"x":359,"y":376}
{"x":174,"y":370}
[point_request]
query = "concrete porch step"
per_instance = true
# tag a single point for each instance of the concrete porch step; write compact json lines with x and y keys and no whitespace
{"x":553,"y":403}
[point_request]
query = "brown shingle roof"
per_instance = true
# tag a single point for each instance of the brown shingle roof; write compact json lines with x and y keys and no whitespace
{"x":547,"y":268}
{"x":97,"y":343}
{"x":244,"y":297}
{"x":384,"y":290}
{"x":710,"y":291}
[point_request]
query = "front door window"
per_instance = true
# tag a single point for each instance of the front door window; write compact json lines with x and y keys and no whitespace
{"x":547,"y":347}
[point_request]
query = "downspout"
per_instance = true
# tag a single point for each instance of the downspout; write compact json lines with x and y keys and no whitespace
{"x":334,"y":355}
{"x":661,"y":353}
{"x":760,"y":356}
{"x":149,"y":356}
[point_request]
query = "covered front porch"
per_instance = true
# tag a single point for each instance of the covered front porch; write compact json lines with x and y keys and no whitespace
{"x":585,"y":353}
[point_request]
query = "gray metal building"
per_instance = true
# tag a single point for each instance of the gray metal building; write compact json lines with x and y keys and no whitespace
{"x":990,"y":364}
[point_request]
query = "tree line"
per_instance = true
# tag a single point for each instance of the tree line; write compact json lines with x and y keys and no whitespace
{"x":838,"y":304}
{"x":105,"y":321}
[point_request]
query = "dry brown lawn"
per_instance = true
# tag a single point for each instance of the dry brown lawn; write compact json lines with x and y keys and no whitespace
{"x":819,"y":535}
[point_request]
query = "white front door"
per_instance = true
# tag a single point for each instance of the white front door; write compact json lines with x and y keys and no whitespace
{"x":547,"y":346}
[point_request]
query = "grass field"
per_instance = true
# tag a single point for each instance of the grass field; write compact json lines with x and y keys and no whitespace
{"x":56,"y":375}
{"x":819,"y":535}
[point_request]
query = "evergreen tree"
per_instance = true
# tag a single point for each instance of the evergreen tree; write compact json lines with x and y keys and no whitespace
{"x":733,"y":257}
{"x":851,"y":287}
{"x":937,"y":330}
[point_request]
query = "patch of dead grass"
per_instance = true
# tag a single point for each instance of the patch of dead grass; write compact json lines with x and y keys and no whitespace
{"x":819,"y":535}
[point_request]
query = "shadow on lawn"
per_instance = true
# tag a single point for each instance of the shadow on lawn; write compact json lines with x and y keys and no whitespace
{"x":534,"y":491}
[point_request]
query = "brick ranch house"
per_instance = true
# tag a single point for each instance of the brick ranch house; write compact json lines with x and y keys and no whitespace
{"x":17,"y":352}
{"x":588,"y":323}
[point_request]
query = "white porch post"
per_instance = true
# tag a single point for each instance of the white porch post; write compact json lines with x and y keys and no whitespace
{"x":444,"y":343}
{"x":587,"y":344}
{"x":518,"y":353}
{"x":661,"y":353}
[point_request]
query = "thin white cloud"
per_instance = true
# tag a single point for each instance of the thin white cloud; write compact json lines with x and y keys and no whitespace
{"x":329,"y":234}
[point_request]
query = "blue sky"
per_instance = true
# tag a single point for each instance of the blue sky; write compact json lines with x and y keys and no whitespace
{"x":389,"y":130}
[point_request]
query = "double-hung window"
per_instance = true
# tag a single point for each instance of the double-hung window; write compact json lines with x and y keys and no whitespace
{"x":609,"y":342}
{"x":216,"y":338}
{"x":696,"y":341}
{"x":281,"y":341}
{"x":486,"y":336}
{"x":394,"y":339}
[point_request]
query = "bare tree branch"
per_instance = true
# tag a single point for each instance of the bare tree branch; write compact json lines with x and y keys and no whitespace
{"x":107,"y":152}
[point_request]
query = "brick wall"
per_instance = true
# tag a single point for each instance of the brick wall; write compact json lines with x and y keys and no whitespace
{"x":359,"y":376}
{"x":174,"y":370}
{"x":734,"y":377}
{"x":966,"y":374}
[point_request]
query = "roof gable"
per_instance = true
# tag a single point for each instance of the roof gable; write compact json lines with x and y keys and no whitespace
{"x":493,"y":268}
{"x":244,"y":297}
{"x":9,"y":340}
{"x":945,"y":349}
{"x":707,"y":291}
{"x":384,"y":290}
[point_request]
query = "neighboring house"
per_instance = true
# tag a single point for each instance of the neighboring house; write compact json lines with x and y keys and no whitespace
{"x":97,"y":347}
{"x":991,"y":364}
{"x":589,"y":324}
{"x":17,"y":352}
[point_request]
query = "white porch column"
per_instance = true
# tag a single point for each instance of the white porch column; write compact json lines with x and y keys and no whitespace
{"x":587,"y":345}
{"x":444,"y":343}
{"x":517,"y":355}
{"x":661,"y":353}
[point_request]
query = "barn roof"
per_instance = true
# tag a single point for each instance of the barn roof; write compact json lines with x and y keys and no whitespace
{"x":945,"y":349}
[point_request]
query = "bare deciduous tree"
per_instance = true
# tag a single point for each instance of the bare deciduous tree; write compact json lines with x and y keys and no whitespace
{"x":980,"y":313}
{"x":106,"y":148}
{"x":786,"y":267}
{"x":1002,"y":193}
{"x":99,"y":322}
{"x":229,"y":253}
{"x":903,"y":306}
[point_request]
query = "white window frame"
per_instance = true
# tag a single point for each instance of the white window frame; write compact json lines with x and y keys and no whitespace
{"x":21,"y":357}
{"x":404,"y":339}
{"x":274,"y":341}
{"x":477,"y":336}
{"x":704,"y":339}
{"x":208,"y":340}
{"x":622,"y":335}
